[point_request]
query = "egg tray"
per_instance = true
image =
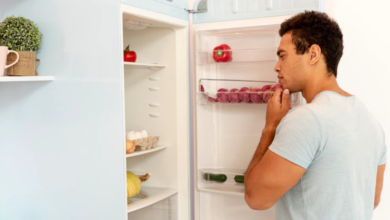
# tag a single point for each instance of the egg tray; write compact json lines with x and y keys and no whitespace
{"x":146,"y":143}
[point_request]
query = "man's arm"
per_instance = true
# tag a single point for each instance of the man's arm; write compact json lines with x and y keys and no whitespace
{"x":269,"y":176}
{"x":267,"y":137}
{"x":379,"y":184}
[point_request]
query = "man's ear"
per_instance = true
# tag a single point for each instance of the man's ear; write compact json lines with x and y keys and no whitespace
{"x":314,"y":54}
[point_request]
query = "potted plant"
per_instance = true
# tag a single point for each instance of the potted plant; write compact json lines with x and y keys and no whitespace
{"x":22,"y":35}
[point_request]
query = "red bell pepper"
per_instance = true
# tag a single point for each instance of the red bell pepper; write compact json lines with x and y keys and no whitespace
{"x":129,"y":56}
{"x":222,"y":53}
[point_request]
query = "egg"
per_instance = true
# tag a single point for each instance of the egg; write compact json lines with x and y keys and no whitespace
{"x":131,"y":136}
{"x":144,"y":134}
{"x":138,"y":135}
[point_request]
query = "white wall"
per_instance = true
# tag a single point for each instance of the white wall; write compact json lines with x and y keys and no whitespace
{"x":62,"y":142}
{"x":364,"y":68}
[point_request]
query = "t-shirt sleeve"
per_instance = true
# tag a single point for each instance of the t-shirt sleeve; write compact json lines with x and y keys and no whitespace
{"x":298,"y":137}
{"x":383,"y":158}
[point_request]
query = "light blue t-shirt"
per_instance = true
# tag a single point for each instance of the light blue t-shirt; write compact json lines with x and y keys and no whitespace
{"x":340,"y":144}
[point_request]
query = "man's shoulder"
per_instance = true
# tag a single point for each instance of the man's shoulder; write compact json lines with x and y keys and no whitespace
{"x":303,"y":115}
{"x":303,"y":111}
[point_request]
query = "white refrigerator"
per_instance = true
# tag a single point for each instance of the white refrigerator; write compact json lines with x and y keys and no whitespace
{"x":207,"y":136}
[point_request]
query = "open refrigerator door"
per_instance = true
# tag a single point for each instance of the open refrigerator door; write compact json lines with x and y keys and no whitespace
{"x":155,"y":91}
{"x":234,"y":79}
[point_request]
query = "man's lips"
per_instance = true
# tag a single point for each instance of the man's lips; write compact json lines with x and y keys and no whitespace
{"x":280,"y":78}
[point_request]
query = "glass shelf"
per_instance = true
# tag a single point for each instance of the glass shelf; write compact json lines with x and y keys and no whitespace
{"x":142,"y":152}
{"x":133,"y":65}
{"x":148,"y":196}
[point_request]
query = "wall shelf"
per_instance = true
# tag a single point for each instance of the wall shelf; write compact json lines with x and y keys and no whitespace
{"x":131,"y":65}
{"x":148,"y":196}
{"x":25,"y":78}
{"x":137,"y":153}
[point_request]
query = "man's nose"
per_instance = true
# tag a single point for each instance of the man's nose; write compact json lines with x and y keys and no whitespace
{"x":277,"y":67}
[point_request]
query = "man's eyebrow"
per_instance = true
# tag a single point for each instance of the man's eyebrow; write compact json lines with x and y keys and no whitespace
{"x":279,"y":52}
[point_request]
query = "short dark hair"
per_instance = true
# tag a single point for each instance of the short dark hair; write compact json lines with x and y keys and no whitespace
{"x":312,"y":27}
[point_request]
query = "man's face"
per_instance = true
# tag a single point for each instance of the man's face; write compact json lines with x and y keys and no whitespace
{"x":290,"y":67}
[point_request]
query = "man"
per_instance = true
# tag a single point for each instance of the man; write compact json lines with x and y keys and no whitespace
{"x":325,"y":159}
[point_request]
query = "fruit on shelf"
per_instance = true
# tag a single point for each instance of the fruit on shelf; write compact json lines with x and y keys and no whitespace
{"x":277,"y":86}
{"x":244,"y":94}
{"x":134,"y":183}
{"x":256,"y":95}
{"x":219,"y":178}
{"x":222,"y":53}
{"x":222,"y":95}
{"x":213,"y":100}
{"x":268,"y":91}
{"x":267,"y":95}
{"x":233,"y":96}
{"x":266,"y":87}
{"x":129,"y":56}
{"x":130,"y":146}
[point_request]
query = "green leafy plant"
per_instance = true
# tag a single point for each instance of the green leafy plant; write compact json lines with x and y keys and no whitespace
{"x":20,"y":34}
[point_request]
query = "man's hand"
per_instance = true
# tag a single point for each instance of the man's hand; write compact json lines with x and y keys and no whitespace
{"x":278,"y":107}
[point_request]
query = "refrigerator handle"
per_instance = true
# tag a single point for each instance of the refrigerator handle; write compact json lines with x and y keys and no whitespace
{"x":200,"y":6}
{"x":269,"y":4}
{"x":235,"y":6}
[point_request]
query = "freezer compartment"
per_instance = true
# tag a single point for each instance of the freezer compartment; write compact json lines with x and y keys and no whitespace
{"x":226,"y":181}
{"x":228,"y":91}
{"x":237,"y":56}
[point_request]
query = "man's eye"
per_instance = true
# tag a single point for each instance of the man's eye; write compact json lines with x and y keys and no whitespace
{"x":281,"y":56}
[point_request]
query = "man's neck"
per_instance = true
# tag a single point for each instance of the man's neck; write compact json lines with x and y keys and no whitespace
{"x":316,"y":85}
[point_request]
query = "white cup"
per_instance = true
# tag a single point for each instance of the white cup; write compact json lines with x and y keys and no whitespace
{"x":3,"y":59}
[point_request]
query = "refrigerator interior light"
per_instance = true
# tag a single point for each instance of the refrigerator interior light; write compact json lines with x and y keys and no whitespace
{"x":135,"y":25}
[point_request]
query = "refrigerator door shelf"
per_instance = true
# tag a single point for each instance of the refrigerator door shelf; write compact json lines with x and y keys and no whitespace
{"x":221,"y":181}
{"x":234,"y":97}
{"x":205,"y":98}
{"x":239,"y":92}
{"x":212,"y":85}
{"x":248,"y":38}
{"x":240,"y":56}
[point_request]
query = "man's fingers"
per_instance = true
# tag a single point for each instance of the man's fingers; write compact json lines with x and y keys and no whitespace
{"x":285,"y":99}
{"x":277,"y":95}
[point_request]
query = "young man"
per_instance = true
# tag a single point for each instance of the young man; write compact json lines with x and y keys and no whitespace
{"x":325,"y":159}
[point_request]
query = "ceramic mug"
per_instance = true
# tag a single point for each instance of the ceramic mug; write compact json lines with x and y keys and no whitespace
{"x":3,"y":59}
